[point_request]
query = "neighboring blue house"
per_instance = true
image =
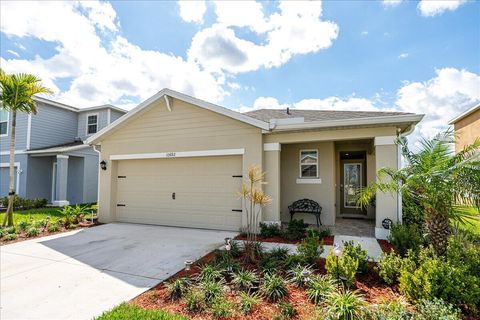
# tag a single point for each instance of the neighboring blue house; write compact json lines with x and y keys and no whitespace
{"x":51,"y":160}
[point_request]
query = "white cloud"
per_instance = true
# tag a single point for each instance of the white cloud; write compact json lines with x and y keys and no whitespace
{"x":295,"y":29}
{"x":103,"y":66}
{"x":391,"y":3}
{"x":364,"y":33}
{"x":192,"y":11}
{"x":403,"y":55}
{"x":430,"y":8}
{"x":15,"y":53}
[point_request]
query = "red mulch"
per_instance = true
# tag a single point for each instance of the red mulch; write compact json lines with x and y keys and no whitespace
{"x":326,"y":240}
{"x":386,"y":246}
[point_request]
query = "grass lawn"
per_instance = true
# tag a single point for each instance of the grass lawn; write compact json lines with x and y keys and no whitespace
{"x":36,"y":214}
{"x":126,"y":311}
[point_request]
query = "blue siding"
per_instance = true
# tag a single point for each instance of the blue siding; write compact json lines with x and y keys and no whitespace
{"x":82,"y":121}
{"x":115,"y":115}
{"x":53,"y":126}
{"x":23,"y":161}
{"x":20,"y":136}
{"x":40,"y":177}
{"x":75,"y":180}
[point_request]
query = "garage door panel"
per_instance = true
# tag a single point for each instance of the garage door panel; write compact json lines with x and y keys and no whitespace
{"x":205,"y":192}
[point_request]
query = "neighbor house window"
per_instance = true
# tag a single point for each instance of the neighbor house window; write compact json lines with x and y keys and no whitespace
{"x":308,"y":164}
{"x":92,"y":123}
{"x":3,"y":122}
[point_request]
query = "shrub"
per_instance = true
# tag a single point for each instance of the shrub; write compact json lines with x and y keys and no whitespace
{"x":32,"y":232}
{"x":245,"y":280}
{"x":462,"y":252}
{"x":274,"y":287}
{"x":405,"y":237}
{"x":280,"y":253}
{"x":128,"y":311}
{"x":209,"y":273}
{"x":235,"y":249}
{"x":23,"y":225}
{"x":300,"y":275}
{"x":254,"y":250}
{"x":222,"y":308}
{"x":53,"y":227}
{"x":269,"y":230}
{"x":294,"y":260}
{"x":211,"y":290}
{"x":10,"y":230}
{"x":389,"y":267}
{"x":224,"y":261}
{"x":390,"y":310}
{"x":345,"y":305}
{"x":287,"y":311}
{"x":248,"y":301}
{"x":40,"y":224}
{"x":310,"y":248}
{"x":194,"y":300}
{"x":355,"y":251}
{"x":319,"y":288}
{"x":23,"y":203}
{"x":178,"y":287}
{"x":437,"y":309}
{"x":10,"y":236}
{"x":296,"y":230}
{"x":343,"y":268}
{"x":325,"y":232}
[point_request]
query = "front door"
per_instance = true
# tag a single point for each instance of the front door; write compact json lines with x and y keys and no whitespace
{"x":352,"y":178}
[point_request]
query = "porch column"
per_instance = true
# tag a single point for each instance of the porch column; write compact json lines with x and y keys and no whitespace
{"x":387,"y":207}
{"x":271,"y":166}
{"x":61,"y":181}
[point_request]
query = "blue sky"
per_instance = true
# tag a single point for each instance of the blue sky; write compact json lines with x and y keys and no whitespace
{"x":412,"y":56}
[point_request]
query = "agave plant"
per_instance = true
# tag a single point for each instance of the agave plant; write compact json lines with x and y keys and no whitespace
{"x":245,"y":280}
{"x":440,"y":182}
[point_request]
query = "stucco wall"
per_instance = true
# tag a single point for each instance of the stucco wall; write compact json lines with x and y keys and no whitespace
{"x":467,"y":130}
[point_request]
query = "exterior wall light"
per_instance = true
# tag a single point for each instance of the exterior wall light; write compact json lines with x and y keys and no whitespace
{"x":103,"y":165}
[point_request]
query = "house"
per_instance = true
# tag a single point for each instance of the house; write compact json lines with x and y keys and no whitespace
{"x":467,"y":127}
{"x":51,"y":160}
{"x":176,"y":160}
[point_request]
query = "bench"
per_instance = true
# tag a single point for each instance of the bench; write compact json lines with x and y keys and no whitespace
{"x":306,"y":206}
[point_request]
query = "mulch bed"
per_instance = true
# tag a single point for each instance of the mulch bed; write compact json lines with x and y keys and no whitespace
{"x":326,"y":240}
{"x":386,"y":246}
{"x":369,"y":284}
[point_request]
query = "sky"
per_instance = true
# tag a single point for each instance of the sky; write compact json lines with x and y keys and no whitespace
{"x":410,"y":56}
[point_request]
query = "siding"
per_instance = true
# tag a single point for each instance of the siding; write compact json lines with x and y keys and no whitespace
{"x":40,"y":177}
{"x":467,"y":130}
{"x":115,"y":115}
{"x":21,"y":133}
{"x":90,"y":174}
{"x":53,"y":126}
{"x":75,"y":180}
{"x":82,"y":121}
{"x":23,"y":160}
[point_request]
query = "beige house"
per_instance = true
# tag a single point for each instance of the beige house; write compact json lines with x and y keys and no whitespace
{"x":177,"y":160}
{"x":467,"y":127}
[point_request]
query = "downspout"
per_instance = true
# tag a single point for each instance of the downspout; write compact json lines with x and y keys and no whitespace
{"x":98,"y":178}
{"x":399,"y":165}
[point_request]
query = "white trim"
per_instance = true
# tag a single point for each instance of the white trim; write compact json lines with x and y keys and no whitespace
{"x":274,"y":146}
{"x":382,"y":233}
{"x":300,"y":164}
{"x":8,"y":122}
{"x":75,"y":109}
{"x":179,"y":154}
{"x":29,"y":130}
{"x":383,"y":120}
{"x":309,"y":181}
{"x":57,"y":150}
{"x":105,"y":106}
{"x":54,"y":180}
{"x":19,"y":170}
{"x":180,"y":96}
{"x":109,"y":111}
{"x":385,"y":140}
{"x":466,"y":113}
{"x":285,"y":121}
{"x":62,"y":156}
{"x":60,"y":203}
{"x":87,"y":124}
{"x":167,"y":102}
{"x":6,"y":153}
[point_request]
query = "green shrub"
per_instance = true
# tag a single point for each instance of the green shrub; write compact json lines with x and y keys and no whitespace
{"x":23,"y":203}
{"x":280,"y":253}
{"x":389,"y":267}
{"x":178,"y":287}
{"x":294,"y":260}
{"x":325,"y":232}
{"x":10,"y":230}
{"x":53,"y":227}
{"x":23,"y":225}
{"x":296,"y":230}
{"x":40,"y":224}
{"x":462,"y":252}
{"x":211,"y":290}
{"x":32,"y":232}
{"x":287,"y":311}
{"x":355,"y":251}
{"x":248,"y":301}
{"x":269,"y":230}
{"x":405,"y":237}
{"x":127,"y":311}
{"x":436,"y":309}
{"x":224,"y":261}
{"x":300,"y":275}
{"x":390,"y":310}
{"x":274,"y":261}
{"x":343,"y":268}
{"x":209,"y":272}
{"x":235,"y":249}
{"x":245,"y":280}
{"x":222,"y":308}
{"x":10,"y":236}
{"x":194,"y":300}
{"x":319,"y":287}
{"x":310,"y":248}
{"x":345,"y":305}
{"x":273,"y":287}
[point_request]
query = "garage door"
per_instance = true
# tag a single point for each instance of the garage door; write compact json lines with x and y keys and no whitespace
{"x":187,"y":192}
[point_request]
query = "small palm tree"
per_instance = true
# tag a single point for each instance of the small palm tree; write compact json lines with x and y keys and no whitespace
{"x":16,"y":95}
{"x":443,"y":184}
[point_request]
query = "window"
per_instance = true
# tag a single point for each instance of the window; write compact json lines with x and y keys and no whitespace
{"x":3,"y":122}
{"x":92,"y":123}
{"x":308,"y":164}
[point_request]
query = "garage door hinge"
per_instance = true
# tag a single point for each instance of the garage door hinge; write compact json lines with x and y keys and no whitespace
{"x":120,"y":205}
{"x":237,"y":210}
{"x":237,"y":176}
{"x":122,"y":177}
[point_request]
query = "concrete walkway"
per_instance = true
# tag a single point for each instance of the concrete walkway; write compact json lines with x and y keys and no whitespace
{"x":80,"y":274}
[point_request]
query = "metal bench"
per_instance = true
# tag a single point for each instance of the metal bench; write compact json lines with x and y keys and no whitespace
{"x":306,"y":206}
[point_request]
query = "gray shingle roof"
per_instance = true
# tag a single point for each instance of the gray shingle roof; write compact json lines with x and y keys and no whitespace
{"x":318,"y":115}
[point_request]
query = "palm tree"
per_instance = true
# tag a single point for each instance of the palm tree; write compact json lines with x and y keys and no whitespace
{"x":444,"y":184}
{"x":16,"y":95}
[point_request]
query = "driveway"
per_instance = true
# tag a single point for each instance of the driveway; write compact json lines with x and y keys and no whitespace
{"x":80,"y":274}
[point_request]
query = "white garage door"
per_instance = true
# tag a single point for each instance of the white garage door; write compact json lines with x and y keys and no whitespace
{"x":187,"y":192}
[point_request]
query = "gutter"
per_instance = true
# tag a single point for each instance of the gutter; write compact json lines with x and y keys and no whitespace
{"x":59,"y":150}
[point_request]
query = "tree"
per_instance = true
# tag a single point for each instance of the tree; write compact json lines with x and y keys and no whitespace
{"x":16,"y":95}
{"x":444,"y":184}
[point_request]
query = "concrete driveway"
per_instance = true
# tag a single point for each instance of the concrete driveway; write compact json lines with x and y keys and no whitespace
{"x":80,"y":274}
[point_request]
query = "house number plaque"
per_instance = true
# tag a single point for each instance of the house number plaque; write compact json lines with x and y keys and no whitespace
{"x":170,"y":154}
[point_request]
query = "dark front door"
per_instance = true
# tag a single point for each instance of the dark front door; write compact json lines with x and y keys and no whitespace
{"x":352,"y":178}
